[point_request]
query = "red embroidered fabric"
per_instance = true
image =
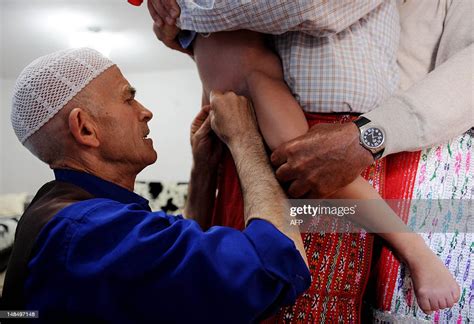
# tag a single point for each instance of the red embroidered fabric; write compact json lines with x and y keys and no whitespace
{"x":339,"y":263}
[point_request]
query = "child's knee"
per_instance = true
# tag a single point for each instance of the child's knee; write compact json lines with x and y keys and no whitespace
{"x":232,"y":60}
{"x":258,"y":65}
{"x":255,"y":56}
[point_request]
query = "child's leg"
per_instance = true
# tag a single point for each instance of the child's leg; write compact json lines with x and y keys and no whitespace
{"x":240,"y":61}
{"x":435,"y":287}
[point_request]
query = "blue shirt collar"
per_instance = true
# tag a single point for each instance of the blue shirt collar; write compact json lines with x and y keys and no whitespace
{"x":100,"y":188}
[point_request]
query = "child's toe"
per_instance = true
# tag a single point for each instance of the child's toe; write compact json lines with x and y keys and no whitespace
{"x":424,"y":304}
{"x":456,"y":293}
{"x":442,"y":303}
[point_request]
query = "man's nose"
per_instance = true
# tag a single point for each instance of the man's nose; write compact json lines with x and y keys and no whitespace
{"x":145,"y":114}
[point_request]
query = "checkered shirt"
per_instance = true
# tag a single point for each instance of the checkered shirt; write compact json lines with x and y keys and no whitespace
{"x":337,"y":55}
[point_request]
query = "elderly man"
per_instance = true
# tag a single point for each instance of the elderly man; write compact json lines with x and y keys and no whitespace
{"x":89,"y":249}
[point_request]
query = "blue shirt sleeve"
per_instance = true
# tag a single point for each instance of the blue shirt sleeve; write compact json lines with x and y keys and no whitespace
{"x":120,"y":263}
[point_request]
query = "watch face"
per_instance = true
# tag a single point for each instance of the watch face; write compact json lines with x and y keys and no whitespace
{"x":373,"y":137}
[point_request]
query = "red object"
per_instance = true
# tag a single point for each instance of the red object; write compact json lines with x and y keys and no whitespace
{"x":400,"y":181}
{"x":339,"y":263}
{"x":135,"y":2}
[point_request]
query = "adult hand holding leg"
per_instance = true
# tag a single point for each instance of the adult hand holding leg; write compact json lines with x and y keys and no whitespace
{"x":233,"y":120}
{"x":322,"y":161}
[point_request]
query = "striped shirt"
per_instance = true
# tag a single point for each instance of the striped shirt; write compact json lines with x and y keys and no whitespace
{"x":338,"y":55}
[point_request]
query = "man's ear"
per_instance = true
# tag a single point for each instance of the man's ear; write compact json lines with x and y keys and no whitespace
{"x":83,"y":127}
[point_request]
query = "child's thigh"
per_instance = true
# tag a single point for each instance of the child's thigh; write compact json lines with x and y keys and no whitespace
{"x":226,"y":60}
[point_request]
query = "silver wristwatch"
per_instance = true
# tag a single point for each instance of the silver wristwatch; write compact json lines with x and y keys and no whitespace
{"x":371,"y":137}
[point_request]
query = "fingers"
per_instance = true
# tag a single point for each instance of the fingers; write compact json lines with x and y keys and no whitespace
{"x":203,"y":114}
{"x":214,"y":94}
{"x":212,"y":119}
{"x":285,"y":173}
{"x":154,"y":15}
{"x":232,"y":117}
{"x":204,"y":130}
{"x":166,"y":10}
{"x":159,"y":9}
{"x":279,"y":156}
{"x":172,"y":7}
{"x":199,"y":120}
{"x":167,"y":34}
{"x":220,"y":99}
{"x":298,"y":189}
{"x":164,"y":14}
{"x":234,"y":107}
{"x":217,"y":98}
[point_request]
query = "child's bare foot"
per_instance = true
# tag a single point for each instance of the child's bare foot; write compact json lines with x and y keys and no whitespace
{"x":435,"y":287}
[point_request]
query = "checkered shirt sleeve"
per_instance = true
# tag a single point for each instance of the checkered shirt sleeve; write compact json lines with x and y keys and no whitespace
{"x":337,"y":55}
{"x":315,"y":17}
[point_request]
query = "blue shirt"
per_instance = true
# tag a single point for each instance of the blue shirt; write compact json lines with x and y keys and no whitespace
{"x":111,"y":258}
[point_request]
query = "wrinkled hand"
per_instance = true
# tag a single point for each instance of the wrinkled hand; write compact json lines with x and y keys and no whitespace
{"x":206,"y":147}
{"x":164,"y":14}
{"x":322,"y":161}
{"x":232,"y":118}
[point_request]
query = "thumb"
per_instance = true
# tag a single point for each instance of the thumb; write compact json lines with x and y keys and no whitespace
{"x":213,"y":95}
{"x":204,"y":130}
{"x":279,"y":156}
{"x":212,"y":118}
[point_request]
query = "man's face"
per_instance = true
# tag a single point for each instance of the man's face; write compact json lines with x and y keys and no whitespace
{"x":122,"y":122}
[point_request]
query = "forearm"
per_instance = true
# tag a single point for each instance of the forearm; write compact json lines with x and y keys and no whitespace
{"x":318,"y":17}
{"x":262,"y":195}
{"x":201,"y":195}
{"x":433,"y":111}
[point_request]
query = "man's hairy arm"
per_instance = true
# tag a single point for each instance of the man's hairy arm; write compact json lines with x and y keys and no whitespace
{"x":233,"y":119}
{"x":262,"y":194}
{"x":201,"y":195}
{"x":207,"y":154}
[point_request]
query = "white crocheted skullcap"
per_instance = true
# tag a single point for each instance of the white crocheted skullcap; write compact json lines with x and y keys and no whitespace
{"x":46,"y":85}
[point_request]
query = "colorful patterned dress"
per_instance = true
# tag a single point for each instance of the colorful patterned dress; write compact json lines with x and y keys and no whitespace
{"x":444,"y":173}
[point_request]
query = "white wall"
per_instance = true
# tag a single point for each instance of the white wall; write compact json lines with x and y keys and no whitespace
{"x":1,"y":109}
{"x":1,"y":132}
{"x":173,"y":97}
